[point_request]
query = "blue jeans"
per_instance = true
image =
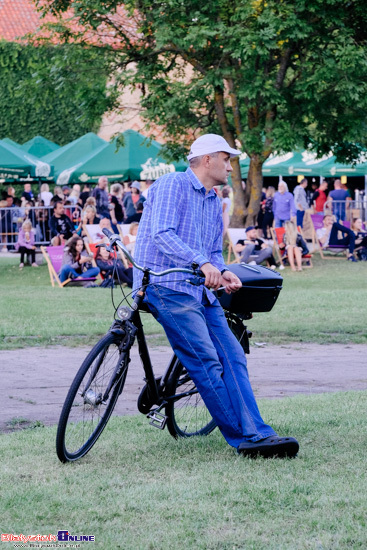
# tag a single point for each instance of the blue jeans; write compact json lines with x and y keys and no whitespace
{"x":348,"y":240}
{"x":67,"y":271}
{"x":279,"y":223}
{"x":200,"y":336}
{"x":300,"y":216}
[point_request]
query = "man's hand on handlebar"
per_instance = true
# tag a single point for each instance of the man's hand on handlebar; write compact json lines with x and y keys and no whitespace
{"x":231,"y":282}
{"x":213,"y":277}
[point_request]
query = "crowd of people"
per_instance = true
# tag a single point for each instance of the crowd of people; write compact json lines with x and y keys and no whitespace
{"x":281,"y":208}
{"x":63,"y":217}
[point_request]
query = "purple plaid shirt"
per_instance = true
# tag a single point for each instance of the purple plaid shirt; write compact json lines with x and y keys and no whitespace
{"x":181,"y":224}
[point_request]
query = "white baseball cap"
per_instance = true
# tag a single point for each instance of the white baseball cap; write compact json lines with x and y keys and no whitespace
{"x":210,"y":143}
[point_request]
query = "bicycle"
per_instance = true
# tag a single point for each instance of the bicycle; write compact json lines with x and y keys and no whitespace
{"x":100,"y":380}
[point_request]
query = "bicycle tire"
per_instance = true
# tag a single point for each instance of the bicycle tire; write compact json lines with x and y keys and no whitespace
{"x":188,"y":416}
{"x":83,"y":418}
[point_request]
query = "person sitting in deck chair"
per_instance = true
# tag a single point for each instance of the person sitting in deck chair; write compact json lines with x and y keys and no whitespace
{"x":328,"y":235}
{"x":253,"y":246}
{"x":76,"y":263}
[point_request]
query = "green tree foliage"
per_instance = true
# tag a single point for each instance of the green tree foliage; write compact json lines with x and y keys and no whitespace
{"x":269,"y":74}
{"x":57,"y":92}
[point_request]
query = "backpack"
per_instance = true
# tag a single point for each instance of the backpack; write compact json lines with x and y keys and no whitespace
{"x":362,"y":254}
{"x":107,"y":283}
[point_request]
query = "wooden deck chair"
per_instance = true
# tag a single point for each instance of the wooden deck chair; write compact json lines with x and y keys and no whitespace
{"x":53,"y":256}
{"x":124,"y":229}
{"x":234,"y":235}
{"x":334,"y":250}
{"x":278,"y":234}
{"x":92,"y":249}
{"x":94,"y":233}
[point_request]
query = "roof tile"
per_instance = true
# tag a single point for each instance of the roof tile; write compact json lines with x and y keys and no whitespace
{"x":17,"y":18}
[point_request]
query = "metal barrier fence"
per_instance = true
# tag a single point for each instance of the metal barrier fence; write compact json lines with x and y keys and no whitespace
{"x":348,"y":209}
{"x":11,"y":220}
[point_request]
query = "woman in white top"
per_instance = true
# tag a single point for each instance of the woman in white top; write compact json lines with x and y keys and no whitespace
{"x":45,"y":194}
{"x":226,"y":205}
{"x":74,"y":195}
{"x":130,"y":238}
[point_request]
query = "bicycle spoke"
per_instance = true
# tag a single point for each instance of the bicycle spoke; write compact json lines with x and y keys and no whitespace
{"x":85,"y":413}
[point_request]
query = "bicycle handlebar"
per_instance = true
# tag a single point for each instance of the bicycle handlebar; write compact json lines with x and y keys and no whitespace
{"x":116,"y":240}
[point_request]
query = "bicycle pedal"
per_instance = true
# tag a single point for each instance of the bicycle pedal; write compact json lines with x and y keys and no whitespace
{"x":157,"y":419}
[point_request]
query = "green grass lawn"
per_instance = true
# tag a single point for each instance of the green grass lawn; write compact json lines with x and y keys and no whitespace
{"x":324,"y":304}
{"x":140,"y":489}
{"x":38,"y":314}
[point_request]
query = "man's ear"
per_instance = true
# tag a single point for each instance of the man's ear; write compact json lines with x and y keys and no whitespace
{"x":206,"y":160}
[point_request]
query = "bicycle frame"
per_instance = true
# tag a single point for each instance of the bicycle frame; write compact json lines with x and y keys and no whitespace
{"x":134,"y":322}
{"x":130,"y":319}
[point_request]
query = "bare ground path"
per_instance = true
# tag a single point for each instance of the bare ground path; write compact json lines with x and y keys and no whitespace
{"x":35,"y":380}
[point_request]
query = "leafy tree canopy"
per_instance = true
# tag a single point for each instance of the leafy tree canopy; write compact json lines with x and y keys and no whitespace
{"x":58,"y":92}
{"x":270,"y":75}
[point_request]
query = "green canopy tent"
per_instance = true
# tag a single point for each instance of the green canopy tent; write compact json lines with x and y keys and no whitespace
{"x":244,"y":165}
{"x":16,"y":163}
{"x":137,"y":159}
{"x":39,"y":146}
{"x":72,"y":154}
{"x":11,"y":142}
{"x":281,"y":165}
{"x":336,"y":169}
{"x":295,"y":163}
{"x":288,"y":164}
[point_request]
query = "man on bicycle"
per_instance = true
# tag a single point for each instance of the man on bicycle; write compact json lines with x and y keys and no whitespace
{"x":182,"y":225}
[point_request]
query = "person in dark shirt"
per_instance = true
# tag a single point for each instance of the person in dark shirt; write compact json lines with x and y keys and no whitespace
{"x":117,"y":212}
{"x":27,"y":193}
{"x":6,"y":222}
{"x":61,"y":226}
{"x":338,"y":198}
{"x":100,"y":193}
{"x":252,"y":246}
{"x":84,"y":195}
{"x":137,"y":215}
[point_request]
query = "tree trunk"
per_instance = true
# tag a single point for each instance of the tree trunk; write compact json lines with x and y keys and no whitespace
{"x":253,"y":190}
{"x":238,"y":216}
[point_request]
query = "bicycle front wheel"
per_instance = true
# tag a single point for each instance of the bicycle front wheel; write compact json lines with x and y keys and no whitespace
{"x":86,"y":412}
{"x":186,"y":411}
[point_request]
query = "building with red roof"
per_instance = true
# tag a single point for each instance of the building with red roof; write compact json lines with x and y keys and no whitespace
{"x":17,"y":18}
{"x":20,"y":17}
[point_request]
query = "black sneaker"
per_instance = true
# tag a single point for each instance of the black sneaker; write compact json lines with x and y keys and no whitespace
{"x":270,"y":447}
{"x":352,"y":259}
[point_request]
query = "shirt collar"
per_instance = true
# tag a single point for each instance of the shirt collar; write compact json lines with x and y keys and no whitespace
{"x":196,"y":183}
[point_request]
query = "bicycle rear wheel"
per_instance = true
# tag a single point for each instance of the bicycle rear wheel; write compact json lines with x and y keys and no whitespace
{"x":85,"y":413}
{"x":187,"y":414}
